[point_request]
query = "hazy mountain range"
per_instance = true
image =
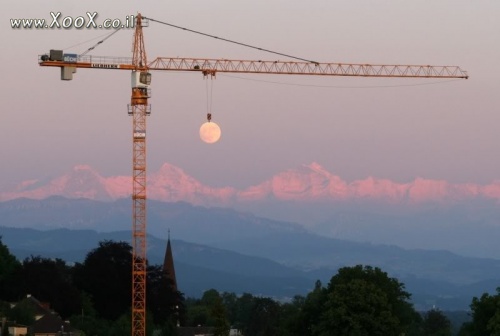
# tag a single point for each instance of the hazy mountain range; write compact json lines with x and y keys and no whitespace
{"x":427,"y":214}
{"x":238,"y":251}
{"x":282,"y":264}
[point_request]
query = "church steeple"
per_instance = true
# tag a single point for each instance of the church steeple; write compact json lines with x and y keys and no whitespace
{"x":168,"y":264}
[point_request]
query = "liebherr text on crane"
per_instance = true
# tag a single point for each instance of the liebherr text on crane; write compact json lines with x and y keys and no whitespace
{"x":139,"y":108}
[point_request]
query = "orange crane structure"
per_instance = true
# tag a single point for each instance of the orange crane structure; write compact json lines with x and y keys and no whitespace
{"x":139,"y":109}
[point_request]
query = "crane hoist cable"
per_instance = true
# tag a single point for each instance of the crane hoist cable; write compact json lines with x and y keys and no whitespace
{"x":209,"y":90}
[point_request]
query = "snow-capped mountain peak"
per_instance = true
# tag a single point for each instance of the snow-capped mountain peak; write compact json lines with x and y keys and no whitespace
{"x":306,"y":183}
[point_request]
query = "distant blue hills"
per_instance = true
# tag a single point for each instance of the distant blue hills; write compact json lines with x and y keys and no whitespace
{"x":239,"y":252}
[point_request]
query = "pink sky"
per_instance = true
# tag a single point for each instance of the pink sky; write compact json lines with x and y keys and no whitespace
{"x":355,"y":128}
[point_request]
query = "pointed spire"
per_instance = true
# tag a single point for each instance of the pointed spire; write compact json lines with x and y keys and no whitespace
{"x":168,"y":264}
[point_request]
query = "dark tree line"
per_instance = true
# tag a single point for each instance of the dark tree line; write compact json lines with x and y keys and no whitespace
{"x":96,"y":296}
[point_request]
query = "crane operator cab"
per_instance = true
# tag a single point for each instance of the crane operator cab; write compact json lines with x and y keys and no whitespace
{"x":141,"y":81}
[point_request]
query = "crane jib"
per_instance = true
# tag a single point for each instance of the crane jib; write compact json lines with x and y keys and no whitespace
{"x":205,"y":65}
{"x":263,"y":67}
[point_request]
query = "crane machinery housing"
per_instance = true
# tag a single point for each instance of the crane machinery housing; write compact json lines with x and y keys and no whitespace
{"x":139,"y":109}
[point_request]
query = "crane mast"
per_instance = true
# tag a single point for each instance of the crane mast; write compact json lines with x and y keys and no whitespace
{"x":139,"y":109}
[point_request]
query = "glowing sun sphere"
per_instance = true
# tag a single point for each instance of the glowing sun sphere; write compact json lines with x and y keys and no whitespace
{"x":210,"y":132}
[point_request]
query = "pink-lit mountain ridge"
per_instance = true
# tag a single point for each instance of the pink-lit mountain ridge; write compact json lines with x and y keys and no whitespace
{"x":307,"y":183}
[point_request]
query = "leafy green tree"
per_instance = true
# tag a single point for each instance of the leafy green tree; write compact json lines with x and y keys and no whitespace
{"x":292,"y":321}
{"x":243,"y":312}
{"x":312,"y":310}
{"x":169,"y":329}
{"x":9,"y":274}
{"x":50,"y":281}
{"x":365,"y":301}
{"x":197,"y":313}
{"x":210,"y":297}
{"x":264,"y":317}
{"x":221,"y":323}
{"x":230,"y":302}
{"x":485,"y":316}
{"x":209,"y":311}
{"x":106,"y":275}
{"x":435,"y":323}
{"x":23,"y":313}
{"x":86,"y":320}
{"x":164,"y":302}
{"x":494,"y":323}
{"x":4,"y":309}
{"x":416,"y":326}
{"x":122,"y":326}
{"x":90,"y":325}
{"x":212,"y":300}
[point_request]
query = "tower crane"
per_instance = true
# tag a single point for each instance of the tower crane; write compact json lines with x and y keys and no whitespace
{"x":139,"y":109}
